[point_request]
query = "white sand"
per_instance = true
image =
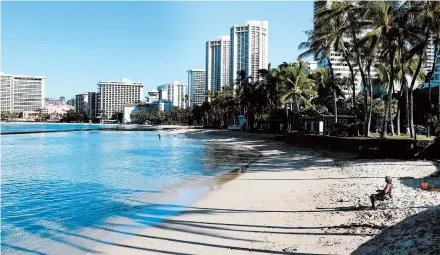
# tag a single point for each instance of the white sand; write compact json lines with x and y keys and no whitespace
{"x":290,"y":201}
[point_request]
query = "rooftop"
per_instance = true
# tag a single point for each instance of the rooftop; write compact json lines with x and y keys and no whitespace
{"x":22,"y":76}
{"x":124,"y":81}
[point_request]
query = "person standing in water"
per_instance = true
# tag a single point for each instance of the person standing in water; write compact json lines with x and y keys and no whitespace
{"x":158,"y":136}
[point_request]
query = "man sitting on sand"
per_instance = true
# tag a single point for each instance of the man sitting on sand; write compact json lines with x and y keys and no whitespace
{"x":381,"y":195}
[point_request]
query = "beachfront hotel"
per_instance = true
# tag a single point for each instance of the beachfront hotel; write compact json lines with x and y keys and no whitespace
{"x":115,"y":94}
{"x":196,"y":85}
{"x":249,"y":49}
{"x":218,"y":63}
{"x":21,"y":93}
{"x":174,"y":92}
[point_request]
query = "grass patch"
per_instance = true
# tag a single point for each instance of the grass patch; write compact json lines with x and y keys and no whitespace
{"x":406,"y":137}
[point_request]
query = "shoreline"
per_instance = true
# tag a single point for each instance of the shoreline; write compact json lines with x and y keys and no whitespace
{"x":182,"y":194}
{"x":290,"y":201}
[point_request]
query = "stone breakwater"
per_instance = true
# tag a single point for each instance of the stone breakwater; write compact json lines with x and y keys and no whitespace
{"x":86,"y":129}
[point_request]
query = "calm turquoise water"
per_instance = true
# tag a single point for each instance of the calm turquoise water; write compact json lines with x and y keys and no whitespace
{"x":73,"y":180}
{"x":7,"y":127}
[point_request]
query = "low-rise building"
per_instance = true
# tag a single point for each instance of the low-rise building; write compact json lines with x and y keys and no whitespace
{"x":54,"y":101}
{"x":130,"y":109}
{"x":56,"y":111}
{"x":164,"y":105}
{"x":153,"y":96}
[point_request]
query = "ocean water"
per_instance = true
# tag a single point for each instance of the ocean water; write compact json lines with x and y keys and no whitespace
{"x":70,"y":181}
{"x":24,"y":127}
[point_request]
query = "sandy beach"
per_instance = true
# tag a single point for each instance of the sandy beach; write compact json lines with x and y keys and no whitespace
{"x":290,"y":201}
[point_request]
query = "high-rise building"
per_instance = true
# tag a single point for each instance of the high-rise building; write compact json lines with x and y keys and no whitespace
{"x":436,"y":75}
{"x":21,"y":93}
{"x":94,"y":106}
{"x":428,"y":56}
{"x":174,"y":92}
{"x":249,"y":49}
{"x":196,"y":85}
{"x":82,"y":103}
{"x":218,"y":63}
{"x":115,"y":94}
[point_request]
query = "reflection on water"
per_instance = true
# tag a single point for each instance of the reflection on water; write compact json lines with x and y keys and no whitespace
{"x":74,"y":180}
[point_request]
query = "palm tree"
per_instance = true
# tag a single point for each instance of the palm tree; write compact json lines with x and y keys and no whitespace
{"x":319,"y":46}
{"x":433,"y":16}
{"x":335,"y":24}
{"x":299,"y":87}
{"x":384,"y":17}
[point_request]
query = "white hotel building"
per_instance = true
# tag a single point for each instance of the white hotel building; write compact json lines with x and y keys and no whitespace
{"x":174,"y":92}
{"x":196,"y":84}
{"x":249,"y":49}
{"x":218,"y":63}
{"x":21,"y":93}
{"x":115,"y":94}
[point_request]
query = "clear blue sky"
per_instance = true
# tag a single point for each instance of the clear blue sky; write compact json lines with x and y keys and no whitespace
{"x":76,"y":44}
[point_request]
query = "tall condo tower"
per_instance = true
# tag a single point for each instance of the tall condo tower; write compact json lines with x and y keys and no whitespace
{"x":196,"y":85}
{"x":249,"y":49}
{"x":217,"y":63}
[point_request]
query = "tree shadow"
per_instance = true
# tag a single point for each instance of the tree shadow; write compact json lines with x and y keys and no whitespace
{"x":417,"y":234}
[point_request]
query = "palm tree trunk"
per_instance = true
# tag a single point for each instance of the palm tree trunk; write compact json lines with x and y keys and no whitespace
{"x":429,"y":98}
{"x":364,"y":81}
{"x":370,"y":110}
{"x":411,"y":112}
{"x":335,"y":104}
{"x":293,"y":118}
{"x":434,"y":63}
{"x":411,"y":101}
{"x":370,"y":106}
{"x":332,"y":75}
{"x":391,"y":112}
{"x":398,"y":119}
{"x":408,"y":129}
{"x":390,"y":91}
{"x":353,"y":84}
{"x":366,"y":123}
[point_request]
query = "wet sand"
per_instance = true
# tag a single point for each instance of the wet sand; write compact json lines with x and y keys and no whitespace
{"x":290,"y":201}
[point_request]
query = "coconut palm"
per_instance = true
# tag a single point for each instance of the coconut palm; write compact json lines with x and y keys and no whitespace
{"x":336,"y":24}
